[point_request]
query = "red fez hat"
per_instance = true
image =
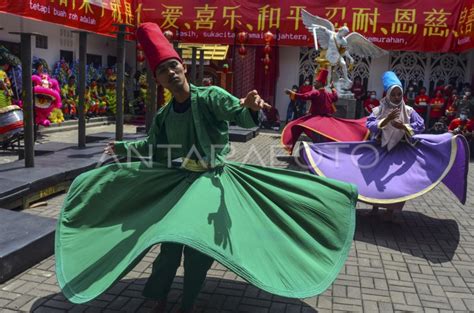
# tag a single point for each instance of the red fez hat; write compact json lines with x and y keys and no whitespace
{"x":322,"y":76}
{"x":155,"y":45}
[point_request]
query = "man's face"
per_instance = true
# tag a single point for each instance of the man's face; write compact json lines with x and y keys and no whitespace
{"x":171,"y":74}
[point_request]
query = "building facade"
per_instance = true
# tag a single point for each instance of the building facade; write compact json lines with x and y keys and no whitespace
{"x":420,"y":68}
{"x":57,"y":41}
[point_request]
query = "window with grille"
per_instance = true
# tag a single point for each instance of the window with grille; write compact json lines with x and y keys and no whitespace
{"x":41,"y":42}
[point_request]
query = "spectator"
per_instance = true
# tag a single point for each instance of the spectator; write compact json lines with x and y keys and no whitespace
{"x":436,"y":107}
{"x":269,"y":118}
{"x":466,"y":103}
{"x":411,"y":96}
{"x":451,"y":111}
{"x":440,"y":127}
{"x":359,"y":91}
{"x":371,"y":103}
{"x":302,"y":105}
{"x":463,"y":125}
{"x":421,"y":103}
{"x":439,"y":87}
{"x":292,"y":105}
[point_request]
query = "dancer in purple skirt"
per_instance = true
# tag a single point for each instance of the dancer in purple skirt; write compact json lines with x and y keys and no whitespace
{"x":398,"y":163}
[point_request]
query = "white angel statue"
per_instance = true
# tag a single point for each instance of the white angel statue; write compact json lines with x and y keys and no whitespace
{"x":339,"y":44}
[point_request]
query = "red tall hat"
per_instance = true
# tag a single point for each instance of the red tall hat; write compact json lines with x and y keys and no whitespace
{"x":155,"y":45}
{"x":322,"y":76}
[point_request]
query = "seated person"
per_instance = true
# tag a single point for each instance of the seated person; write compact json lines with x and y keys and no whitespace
{"x":439,"y":127}
{"x":463,"y":125}
{"x":437,"y":107}
{"x":269,"y":118}
{"x":371,"y":103}
{"x":421,"y":103}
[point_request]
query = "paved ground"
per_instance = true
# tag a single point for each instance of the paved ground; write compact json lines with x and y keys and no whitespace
{"x":67,"y":136}
{"x":425,"y":263}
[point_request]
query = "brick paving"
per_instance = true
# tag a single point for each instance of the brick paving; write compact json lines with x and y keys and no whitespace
{"x":424,"y":263}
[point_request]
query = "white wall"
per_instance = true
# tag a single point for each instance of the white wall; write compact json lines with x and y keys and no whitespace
{"x":377,"y":68}
{"x":288,"y":76}
{"x":96,"y":44}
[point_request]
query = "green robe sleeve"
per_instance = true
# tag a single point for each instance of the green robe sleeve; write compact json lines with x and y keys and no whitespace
{"x":226,"y":107}
{"x":138,"y":147}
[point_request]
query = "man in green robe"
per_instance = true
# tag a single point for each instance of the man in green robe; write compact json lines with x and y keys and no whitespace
{"x":176,"y":126}
{"x":286,"y":232}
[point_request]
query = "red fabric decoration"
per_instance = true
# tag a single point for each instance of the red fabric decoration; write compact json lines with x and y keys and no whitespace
{"x":242,"y":37}
{"x":268,"y":37}
{"x":265,"y":78}
{"x":332,"y":128}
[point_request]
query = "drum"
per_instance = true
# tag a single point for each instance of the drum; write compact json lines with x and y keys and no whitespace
{"x":11,"y":122}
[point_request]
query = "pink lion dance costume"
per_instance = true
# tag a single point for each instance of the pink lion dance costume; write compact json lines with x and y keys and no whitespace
{"x":47,"y":97}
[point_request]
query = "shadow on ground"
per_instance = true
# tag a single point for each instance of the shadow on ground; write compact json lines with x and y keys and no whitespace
{"x":416,"y":234}
{"x":217,"y":295}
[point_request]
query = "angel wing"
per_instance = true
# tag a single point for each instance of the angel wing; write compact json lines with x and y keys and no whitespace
{"x":323,"y":27}
{"x":359,"y":45}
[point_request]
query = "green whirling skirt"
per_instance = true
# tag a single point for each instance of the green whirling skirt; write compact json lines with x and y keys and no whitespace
{"x":286,"y":232}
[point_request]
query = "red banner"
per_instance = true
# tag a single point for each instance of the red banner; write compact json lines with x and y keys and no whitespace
{"x":415,"y":25}
{"x":92,"y":15}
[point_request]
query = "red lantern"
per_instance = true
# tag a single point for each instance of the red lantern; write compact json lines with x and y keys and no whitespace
{"x":139,"y":47}
{"x":169,"y":35}
{"x":242,"y":51}
{"x":242,"y":37}
{"x":267,"y":60}
{"x":267,"y":49}
{"x":140,"y":56}
{"x":268,"y":37}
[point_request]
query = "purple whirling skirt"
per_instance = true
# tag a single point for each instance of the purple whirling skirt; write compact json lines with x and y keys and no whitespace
{"x":409,"y":170}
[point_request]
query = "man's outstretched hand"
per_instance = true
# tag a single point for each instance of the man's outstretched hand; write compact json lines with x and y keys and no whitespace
{"x":254,"y":102}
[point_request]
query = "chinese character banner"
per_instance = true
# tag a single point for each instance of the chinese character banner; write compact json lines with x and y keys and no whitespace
{"x":92,"y":15}
{"x":423,"y":25}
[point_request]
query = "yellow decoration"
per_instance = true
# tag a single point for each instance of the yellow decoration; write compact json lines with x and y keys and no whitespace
{"x":322,"y":61}
{"x":56,"y":116}
{"x":167,"y":95}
